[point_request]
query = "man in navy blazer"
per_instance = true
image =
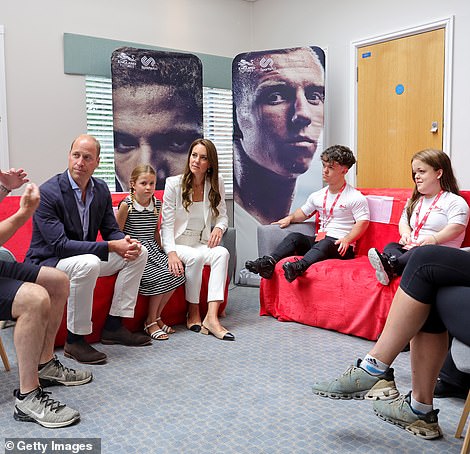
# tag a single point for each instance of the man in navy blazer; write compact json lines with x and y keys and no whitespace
{"x":74,"y":207}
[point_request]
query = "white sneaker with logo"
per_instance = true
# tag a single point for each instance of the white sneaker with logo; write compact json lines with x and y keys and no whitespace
{"x":40,"y":408}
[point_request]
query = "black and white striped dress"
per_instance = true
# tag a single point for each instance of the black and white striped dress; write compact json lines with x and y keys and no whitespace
{"x":141,"y":224}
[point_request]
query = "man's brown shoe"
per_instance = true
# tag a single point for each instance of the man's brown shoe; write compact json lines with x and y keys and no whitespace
{"x":123,"y":336}
{"x":83,"y":352}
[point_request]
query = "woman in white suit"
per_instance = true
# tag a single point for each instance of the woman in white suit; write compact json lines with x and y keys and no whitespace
{"x":192,"y":204}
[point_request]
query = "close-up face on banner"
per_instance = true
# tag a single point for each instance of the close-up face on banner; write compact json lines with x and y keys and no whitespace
{"x":157,"y":111}
{"x":278,"y":103}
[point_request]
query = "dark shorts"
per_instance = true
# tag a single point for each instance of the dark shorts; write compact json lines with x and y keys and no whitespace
{"x":12,"y":277}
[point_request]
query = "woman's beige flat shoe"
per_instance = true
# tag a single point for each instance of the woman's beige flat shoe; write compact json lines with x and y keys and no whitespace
{"x":222,"y":334}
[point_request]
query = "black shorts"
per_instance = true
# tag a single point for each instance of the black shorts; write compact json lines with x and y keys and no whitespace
{"x":12,"y":277}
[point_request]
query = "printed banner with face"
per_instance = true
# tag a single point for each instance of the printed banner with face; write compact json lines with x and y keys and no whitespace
{"x":157,"y":111}
{"x":278,"y":98}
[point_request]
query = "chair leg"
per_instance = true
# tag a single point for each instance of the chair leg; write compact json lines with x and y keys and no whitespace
{"x":466,"y":442}
{"x":4,"y":356}
{"x":460,"y":427}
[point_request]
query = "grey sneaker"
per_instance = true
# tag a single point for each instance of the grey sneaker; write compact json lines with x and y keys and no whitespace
{"x":38,"y":407}
{"x":400,"y":413}
{"x":54,"y":373}
{"x":357,"y":383}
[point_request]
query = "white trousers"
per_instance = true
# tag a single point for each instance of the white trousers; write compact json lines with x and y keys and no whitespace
{"x":84,"y":270}
{"x":194,"y":259}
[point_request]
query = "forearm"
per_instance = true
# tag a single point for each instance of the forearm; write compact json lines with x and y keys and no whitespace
{"x":404,"y":228}
{"x":357,"y":231}
{"x":9,"y":226}
{"x":448,"y":233}
{"x":298,"y":216}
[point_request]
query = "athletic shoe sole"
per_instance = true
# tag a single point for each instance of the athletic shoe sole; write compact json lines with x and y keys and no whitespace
{"x":23,"y":417}
{"x":376,"y":263}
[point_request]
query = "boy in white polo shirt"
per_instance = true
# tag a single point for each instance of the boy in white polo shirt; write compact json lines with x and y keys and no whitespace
{"x":343,"y":219}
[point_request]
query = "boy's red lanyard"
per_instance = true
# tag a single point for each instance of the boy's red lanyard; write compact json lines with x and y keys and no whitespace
{"x":419,"y":224}
{"x":328,"y":218}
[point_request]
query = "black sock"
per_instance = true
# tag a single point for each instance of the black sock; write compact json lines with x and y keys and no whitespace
{"x":112,"y":323}
{"x":20,"y":396}
{"x":44,"y":364}
{"x":72,"y":337}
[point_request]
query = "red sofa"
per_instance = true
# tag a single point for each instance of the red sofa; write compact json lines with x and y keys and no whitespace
{"x":341,"y":295}
{"x":174,"y":312}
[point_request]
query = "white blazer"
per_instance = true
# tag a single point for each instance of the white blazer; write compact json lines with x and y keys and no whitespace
{"x":175,"y":217}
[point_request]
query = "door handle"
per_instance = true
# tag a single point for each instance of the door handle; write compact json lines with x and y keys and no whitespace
{"x":434,"y":126}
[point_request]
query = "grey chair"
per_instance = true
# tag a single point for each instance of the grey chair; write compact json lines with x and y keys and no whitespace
{"x":269,"y":236}
{"x":461,"y":356}
{"x":6,"y":256}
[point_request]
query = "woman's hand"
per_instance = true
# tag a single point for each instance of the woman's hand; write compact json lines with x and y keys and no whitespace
{"x":175,"y":265}
{"x":431,"y":239}
{"x":215,"y":238}
{"x":405,"y":239}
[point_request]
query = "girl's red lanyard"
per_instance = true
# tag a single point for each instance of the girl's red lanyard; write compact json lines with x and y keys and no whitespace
{"x":326,"y":219}
{"x":419,"y":224}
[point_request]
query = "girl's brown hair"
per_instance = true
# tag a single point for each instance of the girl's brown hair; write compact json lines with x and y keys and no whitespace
{"x":141,"y":169}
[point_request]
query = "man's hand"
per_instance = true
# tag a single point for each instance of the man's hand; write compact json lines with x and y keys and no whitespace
{"x":284,"y":222}
{"x":128,"y":248}
{"x":29,"y":200}
{"x":343,"y":246}
{"x":13,"y":178}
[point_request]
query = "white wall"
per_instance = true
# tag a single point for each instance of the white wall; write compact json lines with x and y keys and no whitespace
{"x":38,"y":91}
{"x":335,"y":24}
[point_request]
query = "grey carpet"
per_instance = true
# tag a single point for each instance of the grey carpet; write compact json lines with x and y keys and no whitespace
{"x":195,"y":394}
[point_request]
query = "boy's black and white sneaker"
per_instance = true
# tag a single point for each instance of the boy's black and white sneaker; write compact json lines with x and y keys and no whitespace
{"x":55,"y":373}
{"x":39,"y":407}
{"x":292,"y":270}
{"x":264,"y":266}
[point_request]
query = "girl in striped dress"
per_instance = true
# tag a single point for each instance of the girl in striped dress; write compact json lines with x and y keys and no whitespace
{"x":138,"y":215}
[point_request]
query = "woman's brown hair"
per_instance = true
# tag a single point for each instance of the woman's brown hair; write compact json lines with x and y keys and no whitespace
{"x":438,"y":160}
{"x":212,"y":175}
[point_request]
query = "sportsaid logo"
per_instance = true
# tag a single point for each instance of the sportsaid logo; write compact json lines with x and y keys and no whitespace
{"x":266,"y":64}
{"x":148,"y":63}
{"x":128,"y":61}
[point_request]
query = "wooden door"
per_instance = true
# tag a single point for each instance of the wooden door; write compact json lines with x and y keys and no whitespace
{"x":400,"y":97}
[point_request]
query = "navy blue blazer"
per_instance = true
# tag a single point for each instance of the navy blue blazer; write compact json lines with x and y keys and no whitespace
{"x":57,"y":227}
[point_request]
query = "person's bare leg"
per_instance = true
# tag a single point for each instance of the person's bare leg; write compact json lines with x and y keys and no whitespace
{"x":428,"y":352}
{"x":405,"y":319}
{"x":151,"y":321}
{"x":57,"y":285}
{"x":165,"y":297}
{"x":31,"y":309}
